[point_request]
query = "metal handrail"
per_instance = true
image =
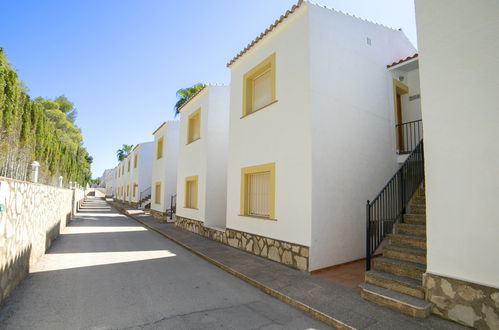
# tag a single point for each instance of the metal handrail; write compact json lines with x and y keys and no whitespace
{"x":391,"y":202}
{"x":409,"y":135}
{"x":173,"y":205}
{"x":144,"y":194}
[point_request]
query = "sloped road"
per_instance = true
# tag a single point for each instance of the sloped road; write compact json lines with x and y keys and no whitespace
{"x":107,"y":272}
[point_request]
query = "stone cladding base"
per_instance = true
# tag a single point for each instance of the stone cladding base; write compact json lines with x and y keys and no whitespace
{"x":290,"y":254}
{"x":471,"y":304}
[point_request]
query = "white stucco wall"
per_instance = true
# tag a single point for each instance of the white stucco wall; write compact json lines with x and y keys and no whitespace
{"x":459,"y":69}
{"x":123,"y":179}
{"x":280,"y":134}
{"x":205,"y":156}
{"x":217,"y":136}
{"x":353,"y":132}
{"x":142,"y":174}
{"x":110,"y":182}
{"x":164,"y":170}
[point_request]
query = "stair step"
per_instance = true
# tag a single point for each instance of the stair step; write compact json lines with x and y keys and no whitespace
{"x":408,"y":240}
{"x":420,"y":192}
{"x":400,"y":302}
{"x":399,"y":267}
{"x":417,"y":209}
{"x":411,"y":229}
{"x":405,"y":253}
{"x":402,"y":284}
{"x":415,"y":218}
{"x":418,"y":199}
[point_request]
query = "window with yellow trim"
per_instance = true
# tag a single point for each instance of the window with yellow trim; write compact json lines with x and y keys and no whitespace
{"x":258,"y":191}
{"x":194,"y":126}
{"x":127,"y":190}
{"x":159,"y":148}
{"x":259,"y":86}
{"x":157,"y":193}
{"x":135,"y":161}
{"x":191,"y":192}
{"x":134,"y":190}
{"x":128,"y":166}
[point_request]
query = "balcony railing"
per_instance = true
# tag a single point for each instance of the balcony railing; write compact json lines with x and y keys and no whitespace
{"x":408,"y":136}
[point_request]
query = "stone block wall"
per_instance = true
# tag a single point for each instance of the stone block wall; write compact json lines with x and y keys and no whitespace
{"x":290,"y":254}
{"x":467,"y":303}
{"x":33,"y":216}
{"x":160,"y":216}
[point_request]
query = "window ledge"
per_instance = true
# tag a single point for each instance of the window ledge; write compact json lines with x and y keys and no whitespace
{"x":192,"y":141}
{"x":257,"y":217}
{"x":265,"y":106}
{"x":191,"y":208}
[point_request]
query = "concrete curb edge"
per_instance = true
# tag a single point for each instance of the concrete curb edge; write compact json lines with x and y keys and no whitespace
{"x":274,"y":293}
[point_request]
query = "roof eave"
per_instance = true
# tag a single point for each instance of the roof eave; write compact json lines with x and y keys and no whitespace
{"x":400,"y":65}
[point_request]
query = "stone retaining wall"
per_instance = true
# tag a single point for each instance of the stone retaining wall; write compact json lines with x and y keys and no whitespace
{"x":467,"y":303}
{"x":291,"y":254}
{"x":33,"y":216}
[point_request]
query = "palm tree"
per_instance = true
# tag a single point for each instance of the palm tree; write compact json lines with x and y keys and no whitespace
{"x":123,"y":152}
{"x":185,"y":94}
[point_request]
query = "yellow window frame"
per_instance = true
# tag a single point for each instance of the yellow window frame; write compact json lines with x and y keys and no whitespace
{"x":157,"y":196}
{"x":245,"y":173}
{"x":190,"y":119}
{"x":266,"y":64}
{"x":159,"y":148}
{"x":188,"y":180}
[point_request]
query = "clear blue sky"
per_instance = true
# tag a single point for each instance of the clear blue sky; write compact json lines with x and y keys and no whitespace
{"x":121,"y":61}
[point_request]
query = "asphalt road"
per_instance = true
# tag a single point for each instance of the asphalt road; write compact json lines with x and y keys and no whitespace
{"x":108,"y":272}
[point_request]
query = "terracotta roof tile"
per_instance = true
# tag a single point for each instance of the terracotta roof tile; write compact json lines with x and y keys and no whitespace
{"x":267,"y":31}
{"x":157,"y":129}
{"x":408,"y":58}
{"x":286,"y":15}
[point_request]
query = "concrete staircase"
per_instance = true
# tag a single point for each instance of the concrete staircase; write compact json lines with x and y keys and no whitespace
{"x":395,"y":280}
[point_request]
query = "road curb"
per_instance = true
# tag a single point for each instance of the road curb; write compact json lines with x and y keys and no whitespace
{"x":274,"y":293}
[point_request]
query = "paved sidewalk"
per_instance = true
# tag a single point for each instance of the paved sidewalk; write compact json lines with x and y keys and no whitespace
{"x":336,"y":305}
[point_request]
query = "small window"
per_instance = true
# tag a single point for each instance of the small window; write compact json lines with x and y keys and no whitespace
{"x":191,"y":192}
{"x":159,"y":148}
{"x":157,"y":193}
{"x":127,"y":190}
{"x":259,"y":86}
{"x":128,"y":166}
{"x":194,"y":126}
{"x":258,"y":191}
{"x":134,"y":191}
{"x":135,"y":161}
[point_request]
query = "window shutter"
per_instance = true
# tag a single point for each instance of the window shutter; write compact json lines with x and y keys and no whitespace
{"x":157,"y":194}
{"x":195,"y":128}
{"x":262,"y":90}
{"x":259,"y":194}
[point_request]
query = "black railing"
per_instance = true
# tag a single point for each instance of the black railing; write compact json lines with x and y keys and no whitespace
{"x":145,"y":195}
{"x":390,"y":204}
{"x":173,"y":205}
{"x":408,"y":136}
